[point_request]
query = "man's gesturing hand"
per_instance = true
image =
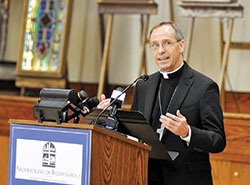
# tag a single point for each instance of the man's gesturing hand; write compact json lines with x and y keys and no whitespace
{"x":176,"y":124}
{"x":104,"y":102}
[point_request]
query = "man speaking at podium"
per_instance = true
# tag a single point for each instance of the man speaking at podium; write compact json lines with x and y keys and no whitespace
{"x":183,"y":107}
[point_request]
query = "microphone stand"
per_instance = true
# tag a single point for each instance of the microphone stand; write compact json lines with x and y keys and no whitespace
{"x":144,"y":77}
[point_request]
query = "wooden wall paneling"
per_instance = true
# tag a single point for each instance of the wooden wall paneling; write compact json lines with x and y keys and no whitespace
{"x":4,"y":159}
{"x":11,"y":107}
{"x":220,"y":171}
{"x":240,"y":173}
{"x":14,"y":107}
{"x":243,"y":100}
{"x":237,"y":128}
{"x":231,"y":167}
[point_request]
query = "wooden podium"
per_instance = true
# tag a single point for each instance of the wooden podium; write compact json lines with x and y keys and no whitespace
{"x":113,"y":158}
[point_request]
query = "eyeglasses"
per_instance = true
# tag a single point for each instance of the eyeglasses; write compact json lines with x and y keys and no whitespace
{"x":165,"y":45}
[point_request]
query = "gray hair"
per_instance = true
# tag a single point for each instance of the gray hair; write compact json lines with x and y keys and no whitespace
{"x":178,"y":32}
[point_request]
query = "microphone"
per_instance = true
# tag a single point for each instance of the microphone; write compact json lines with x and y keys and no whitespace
{"x":83,"y":108}
{"x":54,"y":104}
{"x":111,"y":121}
{"x":70,"y":95}
{"x":143,"y":77}
{"x":88,"y":105}
{"x":118,"y":103}
{"x":78,"y":102}
{"x":82,"y":95}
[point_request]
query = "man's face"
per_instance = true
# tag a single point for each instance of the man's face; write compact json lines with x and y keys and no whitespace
{"x":168,"y":52}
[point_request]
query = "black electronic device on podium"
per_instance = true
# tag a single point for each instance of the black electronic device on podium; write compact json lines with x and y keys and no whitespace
{"x":133,"y":123}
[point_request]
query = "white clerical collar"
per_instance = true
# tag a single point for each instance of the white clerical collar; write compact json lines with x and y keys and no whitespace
{"x":165,"y":74}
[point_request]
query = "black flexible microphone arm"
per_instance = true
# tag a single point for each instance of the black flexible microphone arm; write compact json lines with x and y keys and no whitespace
{"x":143,"y":77}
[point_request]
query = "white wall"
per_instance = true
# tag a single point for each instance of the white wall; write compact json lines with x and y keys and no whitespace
{"x":125,"y":46}
{"x":84,"y":44}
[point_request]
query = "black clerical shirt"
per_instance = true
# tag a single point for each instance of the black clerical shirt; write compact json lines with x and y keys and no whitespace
{"x":167,"y":89}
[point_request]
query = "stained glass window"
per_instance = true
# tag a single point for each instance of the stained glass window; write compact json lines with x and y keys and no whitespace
{"x":43,"y":35}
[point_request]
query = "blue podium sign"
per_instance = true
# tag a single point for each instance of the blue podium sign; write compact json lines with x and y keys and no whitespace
{"x":42,"y":155}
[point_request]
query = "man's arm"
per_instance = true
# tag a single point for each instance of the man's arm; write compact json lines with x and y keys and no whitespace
{"x":211,"y":136}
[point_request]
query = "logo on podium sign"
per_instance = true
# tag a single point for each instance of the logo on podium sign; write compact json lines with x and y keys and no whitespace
{"x":49,"y":155}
